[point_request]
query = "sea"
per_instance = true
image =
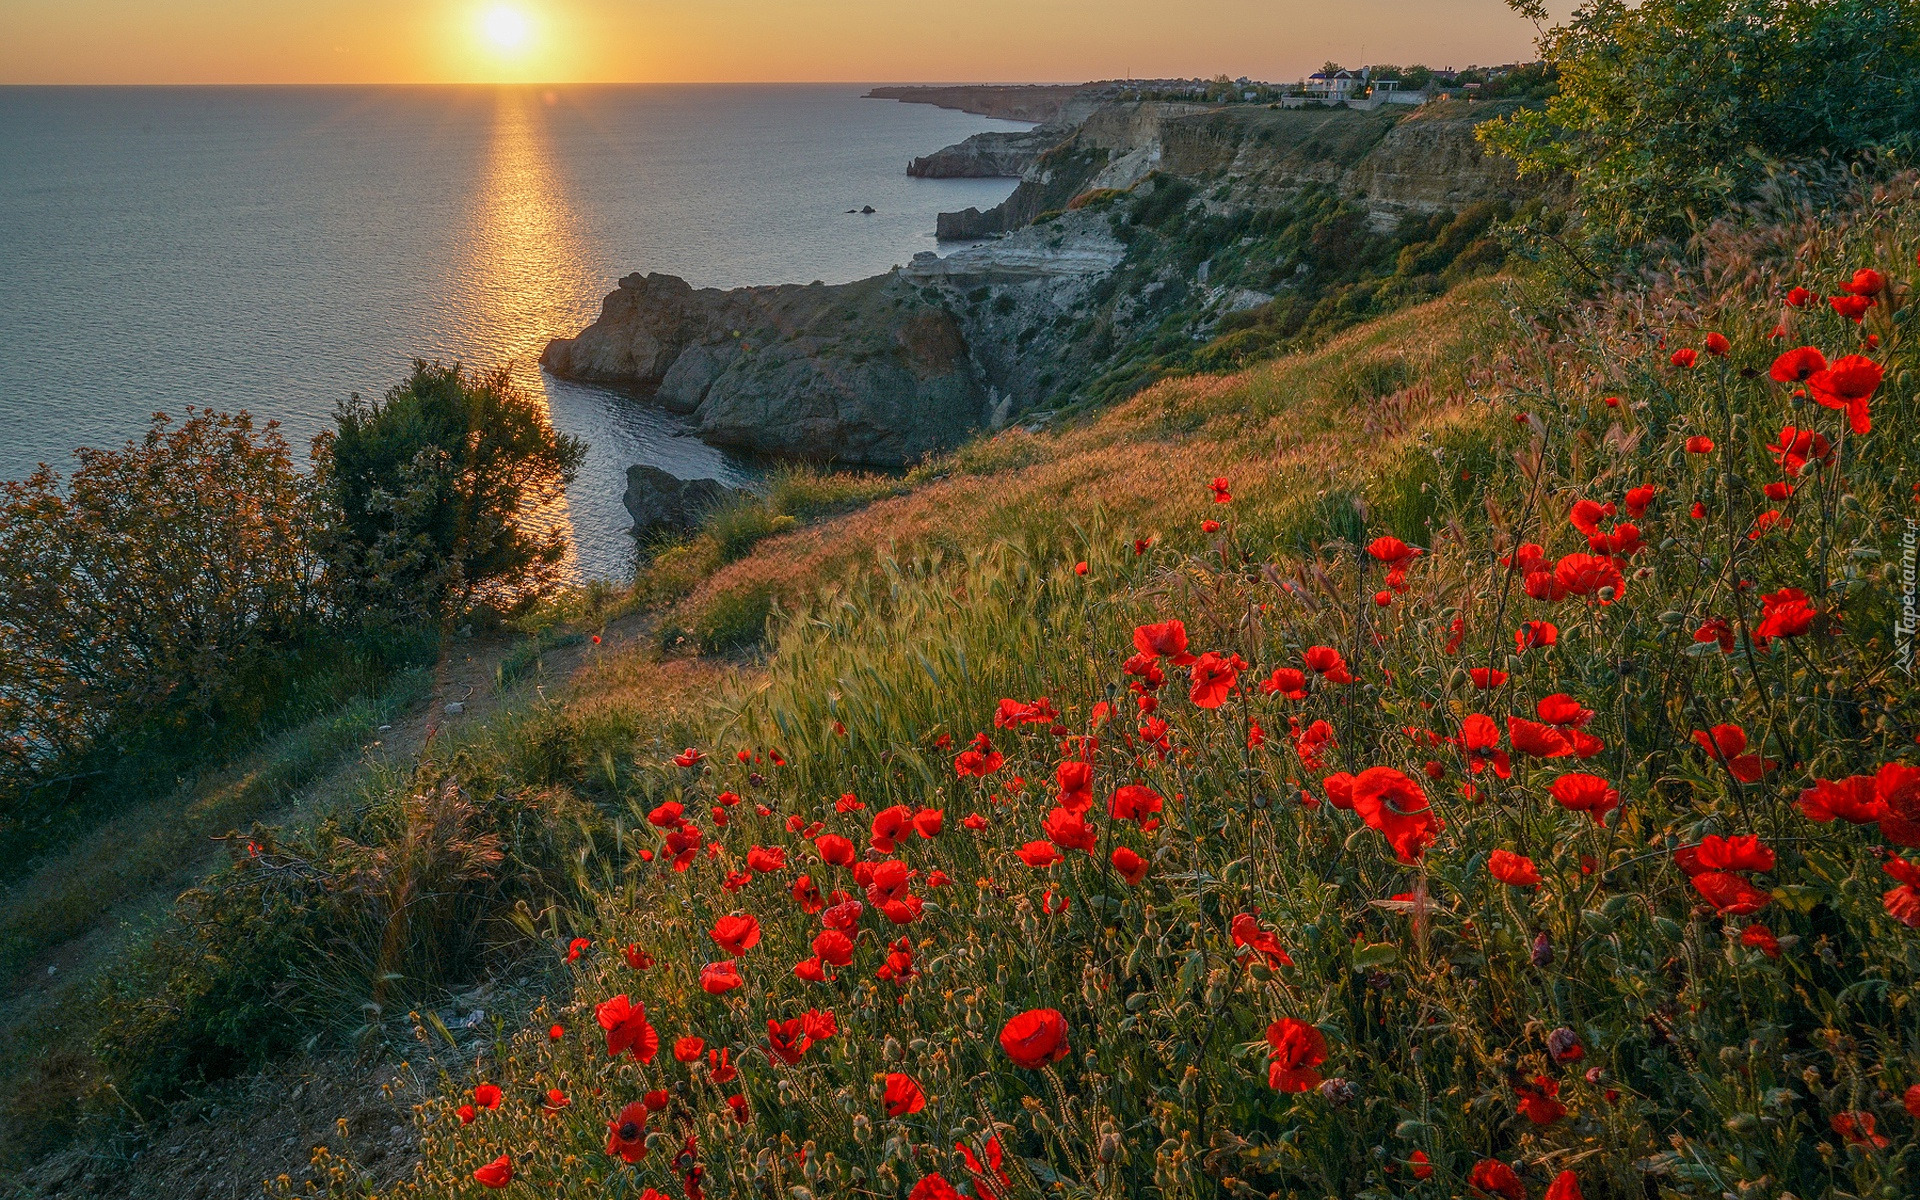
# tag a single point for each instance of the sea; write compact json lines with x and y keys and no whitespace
{"x":277,"y":249}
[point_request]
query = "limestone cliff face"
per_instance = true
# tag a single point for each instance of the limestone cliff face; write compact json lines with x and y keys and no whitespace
{"x":866,"y":373}
{"x":990,"y":155}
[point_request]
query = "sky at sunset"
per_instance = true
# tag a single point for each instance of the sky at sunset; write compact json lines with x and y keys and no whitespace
{"x":445,"y":41}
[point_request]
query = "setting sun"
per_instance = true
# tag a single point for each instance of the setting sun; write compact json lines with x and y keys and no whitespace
{"x":507,"y":30}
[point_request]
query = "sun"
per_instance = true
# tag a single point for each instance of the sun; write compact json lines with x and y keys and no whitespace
{"x":507,"y":30}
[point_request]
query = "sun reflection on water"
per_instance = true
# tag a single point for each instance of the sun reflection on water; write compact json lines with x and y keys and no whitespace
{"x":525,"y":278}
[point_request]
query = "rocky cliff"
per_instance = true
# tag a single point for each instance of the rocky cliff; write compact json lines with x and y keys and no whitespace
{"x":992,"y":155}
{"x":1040,"y":103}
{"x":868,"y":373}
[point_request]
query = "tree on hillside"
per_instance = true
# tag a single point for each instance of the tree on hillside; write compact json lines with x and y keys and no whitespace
{"x":438,"y":493}
{"x":1669,"y":112}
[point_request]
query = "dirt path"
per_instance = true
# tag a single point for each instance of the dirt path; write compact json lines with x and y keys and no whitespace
{"x":227,"y":1143}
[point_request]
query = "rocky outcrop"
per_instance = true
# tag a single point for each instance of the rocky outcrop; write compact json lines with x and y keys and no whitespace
{"x":662,"y":503}
{"x":1039,"y":103}
{"x":992,"y":155}
{"x":867,"y":373}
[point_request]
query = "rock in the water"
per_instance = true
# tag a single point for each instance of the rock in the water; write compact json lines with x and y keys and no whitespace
{"x":662,"y":503}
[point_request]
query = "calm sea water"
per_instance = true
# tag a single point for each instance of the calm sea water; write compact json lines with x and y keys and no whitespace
{"x":278,"y":248}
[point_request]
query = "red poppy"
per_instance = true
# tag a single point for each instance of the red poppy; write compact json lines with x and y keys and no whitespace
{"x":1537,"y":740}
{"x":1487,"y":678}
{"x":1563,"y":710}
{"x":1039,"y":854}
{"x":627,"y":1028}
{"x":1297,"y":1048}
{"x":767,"y":858}
{"x":1799,"y":297}
{"x":1286,"y":682}
{"x":933,"y":1187}
{"x":1514,"y":870}
{"x":555,"y":1101}
{"x":1853,"y":799}
{"x":687,"y":757}
{"x":1853,"y":308}
{"x":989,"y":1180}
{"x":1798,"y":366}
{"x":844,"y":915}
{"x":834,"y":849}
{"x":890,"y":824}
{"x":1726,"y":744}
{"x":1219,"y":488}
{"x":1252,"y":940}
{"x":1699,"y":444}
{"x":902,"y":1096}
{"x":1392,"y":803}
{"x":667,"y":816}
{"x":1783,"y":614}
{"x":1495,"y":1178}
{"x":1849,"y":384}
{"x":1588,"y":575}
{"x":1856,"y":1128}
{"x":1131,"y":866}
{"x":1213,"y":679}
{"x":1684,"y":358}
{"x":1564,"y":1187}
{"x":1760,"y":938}
{"x":1422,"y":1165}
{"x":1865,"y":282}
{"x":975,"y":822}
{"x":1536,"y":1100}
{"x":688,"y":1049}
{"x":1339,"y":789}
{"x":719,"y":1066}
{"x":787,"y":1040}
{"x":927,"y":822}
{"x":1533,"y":634}
{"x":627,"y":1133}
{"x":1209,"y":526}
{"x":1070,"y":831}
{"x":1717,"y":345}
{"x":1479,"y":740}
{"x":487,"y":1096}
{"x":1325,"y":660}
{"x":721,"y":977}
{"x":1168,"y":639}
{"x":496,"y":1174}
{"x":1591,"y":794}
{"x":1898,"y":787}
{"x":1075,"y":780}
{"x":736,"y":933}
{"x":1035,"y":1037}
{"x":1730,"y":894}
{"x":466,"y":1114}
{"x":1136,"y":802}
{"x":1391,"y":550}
{"x":1903,"y":903}
{"x":820,"y":1025}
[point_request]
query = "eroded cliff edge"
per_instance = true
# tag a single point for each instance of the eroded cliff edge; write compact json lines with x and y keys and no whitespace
{"x":1150,"y":237}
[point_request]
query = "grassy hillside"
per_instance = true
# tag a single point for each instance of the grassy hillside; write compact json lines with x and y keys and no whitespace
{"x":1501,"y":868}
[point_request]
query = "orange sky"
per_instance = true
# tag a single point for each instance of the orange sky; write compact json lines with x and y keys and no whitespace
{"x":439,"y":41}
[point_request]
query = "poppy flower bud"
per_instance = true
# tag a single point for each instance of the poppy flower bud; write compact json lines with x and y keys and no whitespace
{"x":1340,"y":1092}
{"x":1565,"y":1046}
{"x":1542,"y":951}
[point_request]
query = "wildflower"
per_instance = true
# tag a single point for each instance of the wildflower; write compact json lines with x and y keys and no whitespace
{"x":902,"y":1096}
{"x":1854,"y":799}
{"x":1035,"y":1037}
{"x":991,"y":1187}
{"x":927,"y":822}
{"x":1684,"y":358}
{"x":1865,"y":282}
{"x":739,"y":1106}
{"x":1714,"y":866}
{"x":1799,"y":297}
{"x":890,"y":824}
{"x":1209,"y":526}
{"x":1590,"y":794}
{"x":1760,"y":938}
{"x":1903,"y":902}
{"x":1726,"y":744}
{"x":1853,"y":308}
{"x":667,"y":816}
{"x":487,"y":1096}
{"x":627,"y":1133}
{"x":1537,"y":1100}
{"x":1252,"y":940}
{"x":1797,"y":366}
{"x":833,"y":946}
{"x":1039,"y":854}
{"x":1565,"y":1186}
{"x":496,"y":1174}
{"x":1285,"y":682}
{"x":1075,"y":779}
{"x":555,"y":1101}
{"x":1699,"y":444}
{"x":1079,"y":568}
{"x":556,"y":1032}
{"x":1392,"y":803}
{"x":719,"y":978}
{"x":736,"y":933}
{"x":1849,"y":384}
{"x":1421,"y":1165}
{"x":1492,"y":1177}
{"x":576,"y":947}
{"x":1069,"y":830}
{"x":787,"y":1040}
{"x":1131,"y":866}
{"x":688,"y":757}
{"x":1785,"y":613}
{"x":1339,"y":789}
{"x":1717,"y":345}
{"x":1221,"y":495}
{"x":1168,"y":639}
{"x":1563,"y":1044}
{"x":1487,"y":678}
{"x":1012,"y":713}
{"x":834,"y":849}
{"x":975,"y":822}
{"x":1479,"y":740}
{"x":627,"y":1028}
{"x":1638,"y":498}
{"x":1588,"y":575}
{"x":1297,"y":1049}
{"x":933,"y":1187}
{"x":978,"y":760}
{"x":1213,"y":678}
{"x":767,"y":859}
{"x":1698,"y":512}
{"x":1514,"y":870}
{"x":1856,"y":1129}
{"x":466,"y":1114}
{"x":1326,"y":661}
{"x":1136,"y":802}
{"x":1391,"y":550}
